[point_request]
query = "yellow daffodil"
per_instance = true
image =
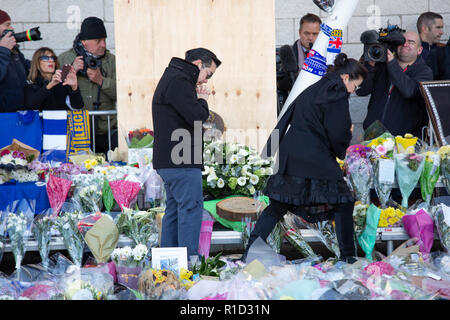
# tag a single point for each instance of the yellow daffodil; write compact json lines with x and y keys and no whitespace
{"x":406,"y":144}
{"x":444,"y":151}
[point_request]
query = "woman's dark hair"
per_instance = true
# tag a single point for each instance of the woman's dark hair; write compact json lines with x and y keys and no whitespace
{"x":35,"y":69}
{"x":205,"y":55}
{"x":344,"y":65}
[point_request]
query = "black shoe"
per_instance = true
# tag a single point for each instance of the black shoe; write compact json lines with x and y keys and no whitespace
{"x":348,"y":259}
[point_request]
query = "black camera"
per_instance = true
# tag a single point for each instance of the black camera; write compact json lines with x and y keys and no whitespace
{"x":376,"y":43}
{"x":90,"y":61}
{"x":32,"y":34}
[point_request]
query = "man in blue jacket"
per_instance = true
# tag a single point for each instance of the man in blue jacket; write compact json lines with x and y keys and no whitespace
{"x":14,"y":69}
{"x":395,"y":99}
{"x":179,"y":108}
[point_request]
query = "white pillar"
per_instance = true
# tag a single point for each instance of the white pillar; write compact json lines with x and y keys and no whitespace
{"x":338,"y":19}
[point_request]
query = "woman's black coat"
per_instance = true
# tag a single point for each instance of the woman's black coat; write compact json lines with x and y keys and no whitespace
{"x":319,"y":131}
{"x":38,"y":97}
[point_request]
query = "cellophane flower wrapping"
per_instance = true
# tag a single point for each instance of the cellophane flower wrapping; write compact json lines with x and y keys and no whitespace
{"x":444,"y":153}
{"x":206,"y":229}
{"x":3,"y":219}
{"x":275,"y":238}
{"x":87,"y":284}
{"x":429,"y":175}
{"x":42,"y":225}
{"x":359,"y":217}
{"x":247,"y":227}
{"x":125,"y":192}
{"x":359,"y":171}
{"x":441,"y":216}
{"x":139,"y":138}
{"x":419,"y":224}
{"x":408,"y":168}
{"x":87,"y":222}
{"x":233,"y":169}
{"x":368,"y":237}
{"x":67,"y":224}
{"x":292,"y":232}
{"x":107,"y":196}
{"x":383,"y":184}
{"x":129,"y":263}
{"x":57,"y":191}
{"x":327,"y":234}
{"x":139,"y":226}
{"x":88,"y":192}
{"x":19,"y":223}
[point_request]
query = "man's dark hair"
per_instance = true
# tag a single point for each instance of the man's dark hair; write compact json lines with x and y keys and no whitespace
{"x":427,"y":18}
{"x":310,"y":17}
{"x":205,"y":55}
{"x":343,"y":64}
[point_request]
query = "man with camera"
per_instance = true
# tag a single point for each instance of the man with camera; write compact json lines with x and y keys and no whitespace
{"x":96,"y":73}
{"x":430,"y":26}
{"x":290,"y":58}
{"x":14,"y":68}
{"x":395,"y":99}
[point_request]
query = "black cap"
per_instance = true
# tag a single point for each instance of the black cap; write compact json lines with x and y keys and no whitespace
{"x":92,"y":28}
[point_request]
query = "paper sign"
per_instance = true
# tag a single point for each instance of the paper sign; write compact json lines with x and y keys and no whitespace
{"x":172,"y":259}
{"x":386,"y":171}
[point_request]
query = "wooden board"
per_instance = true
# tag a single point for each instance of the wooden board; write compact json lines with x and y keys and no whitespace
{"x":238,"y":208}
{"x":240,"y":33}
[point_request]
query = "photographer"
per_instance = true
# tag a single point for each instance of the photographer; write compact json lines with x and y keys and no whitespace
{"x":395,"y":99}
{"x":97,"y":78}
{"x":13,"y":69}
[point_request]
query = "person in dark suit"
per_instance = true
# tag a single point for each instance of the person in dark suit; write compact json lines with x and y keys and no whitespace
{"x":315,"y":130}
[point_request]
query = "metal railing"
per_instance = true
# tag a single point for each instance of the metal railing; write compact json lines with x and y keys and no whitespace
{"x":96,"y":113}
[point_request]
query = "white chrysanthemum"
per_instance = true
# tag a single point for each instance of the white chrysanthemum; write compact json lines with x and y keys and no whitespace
{"x":206,"y":172}
{"x":243,"y":152}
{"x":220,"y":183}
{"x":245,"y":170}
{"x":139,"y":252}
{"x":234,"y":159}
{"x":269,"y":171}
{"x":389,"y":144}
{"x":6,"y":158}
{"x":254,"y":179}
{"x":21,"y":162}
{"x":241,"y":181}
{"x":211,"y":177}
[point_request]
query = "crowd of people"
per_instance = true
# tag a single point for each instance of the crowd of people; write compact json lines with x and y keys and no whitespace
{"x":89,"y":80}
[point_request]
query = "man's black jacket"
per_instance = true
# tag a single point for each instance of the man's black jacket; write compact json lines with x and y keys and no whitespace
{"x":175,"y":106}
{"x":403,"y":110}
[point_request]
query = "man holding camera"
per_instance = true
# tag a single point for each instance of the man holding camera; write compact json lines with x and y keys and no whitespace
{"x":96,"y":73}
{"x":395,"y":99}
{"x":14,"y":68}
{"x":430,"y":26}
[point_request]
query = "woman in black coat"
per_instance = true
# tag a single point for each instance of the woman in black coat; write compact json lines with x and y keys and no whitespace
{"x":45,"y":90}
{"x":315,"y":130}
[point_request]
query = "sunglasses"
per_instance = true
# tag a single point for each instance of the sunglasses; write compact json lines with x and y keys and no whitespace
{"x":48,"y":58}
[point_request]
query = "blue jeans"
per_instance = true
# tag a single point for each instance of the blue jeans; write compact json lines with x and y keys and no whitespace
{"x":184,"y":208}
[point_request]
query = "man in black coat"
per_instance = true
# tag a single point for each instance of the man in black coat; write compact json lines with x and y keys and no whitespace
{"x":14,"y":69}
{"x":395,"y":99}
{"x":179,"y":108}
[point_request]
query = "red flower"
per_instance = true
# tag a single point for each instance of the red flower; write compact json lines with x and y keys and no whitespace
{"x":5,"y":152}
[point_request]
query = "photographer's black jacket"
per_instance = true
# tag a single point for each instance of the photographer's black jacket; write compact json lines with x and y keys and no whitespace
{"x":38,"y":97}
{"x":14,"y":69}
{"x":175,"y":106}
{"x":403,"y":111}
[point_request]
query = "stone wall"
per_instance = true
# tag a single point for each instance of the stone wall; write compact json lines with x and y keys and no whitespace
{"x":60,"y":20}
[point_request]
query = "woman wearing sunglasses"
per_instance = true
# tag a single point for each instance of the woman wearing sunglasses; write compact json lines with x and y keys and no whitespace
{"x":309,"y":181}
{"x":46,"y":90}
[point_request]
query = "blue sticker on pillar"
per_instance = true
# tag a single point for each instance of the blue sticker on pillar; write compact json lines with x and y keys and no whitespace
{"x":326,"y":29}
{"x":335,"y":43}
{"x":315,"y":63}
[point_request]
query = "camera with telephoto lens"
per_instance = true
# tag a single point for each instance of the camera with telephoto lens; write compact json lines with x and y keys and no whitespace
{"x":376,"y":43}
{"x":90,"y":61}
{"x":32,"y":34}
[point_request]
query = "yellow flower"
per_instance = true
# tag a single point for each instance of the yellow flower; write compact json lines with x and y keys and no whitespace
{"x":185,"y":274}
{"x":444,"y":151}
{"x":406,"y":144}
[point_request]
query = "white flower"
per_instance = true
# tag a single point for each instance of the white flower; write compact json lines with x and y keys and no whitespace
{"x":251,"y":189}
{"x":243,"y":152}
{"x":245,"y":169}
{"x":139,"y":252}
{"x":7,"y":158}
{"x":211,"y":177}
{"x":269,"y":171}
{"x":389,"y":144}
{"x":204,"y":173}
{"x":220,"y":183}
{"x":254,"y":179}
{"x":241,"y":181}
{"x":234,"y":159}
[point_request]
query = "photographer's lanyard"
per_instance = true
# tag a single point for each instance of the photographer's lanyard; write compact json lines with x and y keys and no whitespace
{"x":388,"y":98}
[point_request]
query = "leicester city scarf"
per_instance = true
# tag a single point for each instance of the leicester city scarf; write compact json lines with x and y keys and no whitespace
{"x":78,"y":132}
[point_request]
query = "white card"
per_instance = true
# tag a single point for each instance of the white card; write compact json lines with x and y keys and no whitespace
{"x":386,"y":171}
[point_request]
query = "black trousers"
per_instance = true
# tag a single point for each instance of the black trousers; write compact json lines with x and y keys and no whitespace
{"x":276,"y":210}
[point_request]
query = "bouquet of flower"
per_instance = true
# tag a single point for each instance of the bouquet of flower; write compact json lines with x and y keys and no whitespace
{"x":390,"y":217}
{"x":22,"y":176}
{"x":247,"y":227}
{"x":14,"y":158}
{"x":325,"y":231}
{"x":275,"y":238}
{"x":233,"y":169}
{"x":140,"y":138}
{"x":441,"y":215}
{"x":406,"y":144}
{"x":430,"y":175}
{"x":88,"y":192}
{"x":139,"y":226}
{"x":367,"y":237}
{"x":204,"y":243}
{"x":291,"y":227}
{"x":384,"y":145}
{"x":129,"y":263}
{"x":3,"y":219}
{"x":125,"y":192}
{"x":408,"y":168}
{"x":41,"y":230}
{"x":107,"y":196}
{"x":359,"y":217}
{"x":359,"y":171}
{"x":419,"y":224}
{"x":67,"y":225}
{"x":57,"y":191}
{"x":444,"y":153}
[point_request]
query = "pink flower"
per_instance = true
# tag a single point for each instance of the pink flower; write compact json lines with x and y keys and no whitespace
{"x":381,"y":150}
{"x":18,"y":154}
{"x":5,"y":152}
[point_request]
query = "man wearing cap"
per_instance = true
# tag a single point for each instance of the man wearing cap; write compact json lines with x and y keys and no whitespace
{"x":14,"y":68}
{"x":97,"y":81}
